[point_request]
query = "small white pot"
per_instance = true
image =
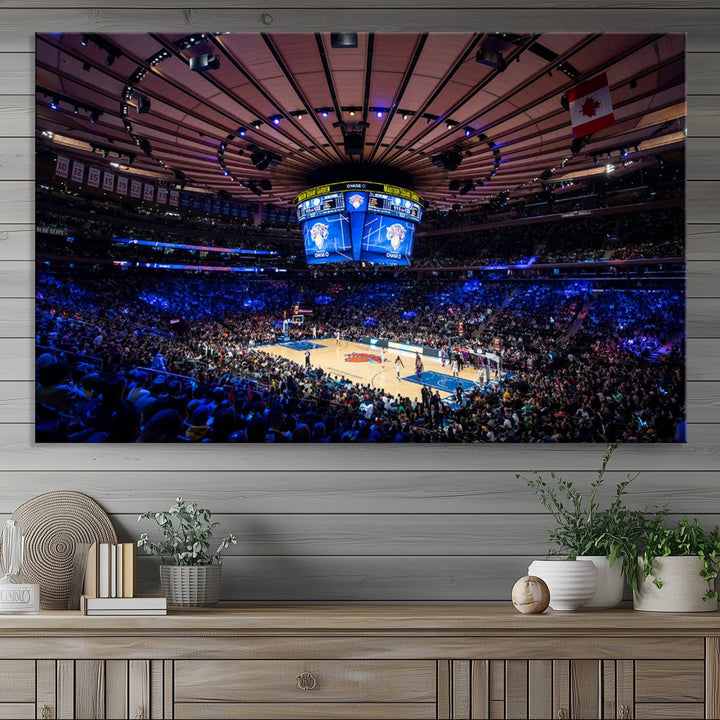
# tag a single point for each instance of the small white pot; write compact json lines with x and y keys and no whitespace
{"x":682,"y":589}
{"x":610,"y":582}
{"x":571,"y":582}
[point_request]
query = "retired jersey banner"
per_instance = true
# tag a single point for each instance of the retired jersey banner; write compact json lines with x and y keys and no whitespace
{"x":62,"y":166}
{"x":135,"y":188}
{"x":93,"y":179}
{"x":590,"y":106}
{"x":108,"y":181}
{"x":174,"y":198}
{"x":78,"y":171}
{"x":148,"y":192}
{"x":122,"y":185}
{"x":162,"y":195}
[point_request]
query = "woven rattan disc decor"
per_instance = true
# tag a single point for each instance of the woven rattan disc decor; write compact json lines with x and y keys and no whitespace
{"x":53,"y":523}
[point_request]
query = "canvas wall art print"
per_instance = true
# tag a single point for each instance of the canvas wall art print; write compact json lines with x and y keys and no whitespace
{"x":360,"y":238}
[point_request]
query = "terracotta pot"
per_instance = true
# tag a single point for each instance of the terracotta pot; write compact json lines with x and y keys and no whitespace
{"x":571,"y":582}
{"x":682,"y":589}
{"x":610,"y":582}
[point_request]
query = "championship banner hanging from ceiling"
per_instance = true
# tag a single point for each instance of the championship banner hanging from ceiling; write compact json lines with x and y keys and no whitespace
{"x":174,"y":198}
{"x":93,"y":178}
{"x":62,"y":166}
{"x":122,"y":185}
{"x":162,"y":195}
{"x":78,"y":171}
{"x":591,"y":106}
{"x":148,"y":192}
{"x":108,"y":181}
{"x":135,"y":188}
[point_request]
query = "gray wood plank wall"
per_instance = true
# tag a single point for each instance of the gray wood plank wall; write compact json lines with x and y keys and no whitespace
{"x":338,"y":523}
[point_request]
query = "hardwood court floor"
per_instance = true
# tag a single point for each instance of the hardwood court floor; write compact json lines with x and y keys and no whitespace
{"x":362,"y":363}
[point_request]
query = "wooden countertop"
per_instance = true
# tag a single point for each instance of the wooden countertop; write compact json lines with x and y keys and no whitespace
{"x":430,"y":620}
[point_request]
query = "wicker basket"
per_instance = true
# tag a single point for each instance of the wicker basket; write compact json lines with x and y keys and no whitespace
{"x":191,"y":586}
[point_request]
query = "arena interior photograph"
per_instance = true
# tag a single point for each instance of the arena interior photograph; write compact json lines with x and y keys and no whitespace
{"x":360,"y":237}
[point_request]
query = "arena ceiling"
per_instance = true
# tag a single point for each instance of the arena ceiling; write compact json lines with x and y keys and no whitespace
{"x":279,"y":108}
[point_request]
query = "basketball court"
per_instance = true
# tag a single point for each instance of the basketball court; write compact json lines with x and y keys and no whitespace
{"x":363,"y":363}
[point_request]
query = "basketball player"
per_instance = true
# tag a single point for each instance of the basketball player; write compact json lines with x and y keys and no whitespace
{"x":455,"y":366}
{"x":418,"y":367}
{"x":307,"y":359}
{"x":398,"y":364}
{"x":382,"y":355}
{"x":443,"y":356}
{"x":337,"y":337}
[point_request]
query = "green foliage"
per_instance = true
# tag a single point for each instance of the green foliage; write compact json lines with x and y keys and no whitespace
{"x":584,"y":528}
{"x":687,"y":538}
{"x":186,"y":530}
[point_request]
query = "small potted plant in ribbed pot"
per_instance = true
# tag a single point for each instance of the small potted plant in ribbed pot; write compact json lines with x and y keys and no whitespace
{"x":190,"y":574}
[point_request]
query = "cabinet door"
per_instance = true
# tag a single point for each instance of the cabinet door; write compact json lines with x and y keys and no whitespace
{"x":527,"y":689}
{"x":17,"y":689}
{"x":88,"y":689}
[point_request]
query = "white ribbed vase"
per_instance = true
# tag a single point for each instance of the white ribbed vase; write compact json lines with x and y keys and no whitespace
{"x":610,"y":582}
{"x":571,"y":582}
{"x":682,"y":589}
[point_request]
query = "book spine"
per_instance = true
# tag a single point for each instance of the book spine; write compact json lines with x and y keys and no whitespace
{"x":104,"y":570}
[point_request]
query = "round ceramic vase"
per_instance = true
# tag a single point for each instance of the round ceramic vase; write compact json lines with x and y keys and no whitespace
{"x":571,"y":582}
{"x":610,"y":582}
{"x":682,"y":589}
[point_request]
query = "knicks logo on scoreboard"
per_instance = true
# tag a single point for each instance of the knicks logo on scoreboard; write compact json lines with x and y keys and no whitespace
{"x":395,"y":234}
{"x":356,"y":200}
{"x":362,"y":357}
{"x":319,"y":234}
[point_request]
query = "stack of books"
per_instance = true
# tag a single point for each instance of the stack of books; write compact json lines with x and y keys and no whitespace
{"x":111,"y":583}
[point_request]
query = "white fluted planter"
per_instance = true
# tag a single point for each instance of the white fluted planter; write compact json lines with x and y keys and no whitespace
{"x":610,"y":582}
{"x":571,"y":582}
{"x":682,"y":589}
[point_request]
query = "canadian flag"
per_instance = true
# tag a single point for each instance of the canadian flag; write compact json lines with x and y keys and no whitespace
{"x":590,"y":106}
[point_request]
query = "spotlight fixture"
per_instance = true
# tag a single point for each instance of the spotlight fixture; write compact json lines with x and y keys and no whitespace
{"x":468,"y":132}
{"x":276,"y":119}
{"x":379,"y":111}
{"x":339,"y":40}
{"x":110,"y":59}
{"x":450,"y":124}
{"x":323,"y":111}
{"x":624,"y":152}
{"x":143,"y":104}
{"x":256,"y":124}
{"x":596,"y":161}
{"x":491,"y":58}
{"x":145,"y":146}
{"x":298,"y":114}
{"x":55,"y":103}
{"x":203,"y":63}
{"x":85,"y":40}
{"x":242,"y":132}
{"x":430,"y":118}
{"x":94,"y":116}
{"x":86,"y":66}
{"x":75,"y":110}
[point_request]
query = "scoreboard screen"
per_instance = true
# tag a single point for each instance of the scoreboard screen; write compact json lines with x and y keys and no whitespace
{"x":365,"y":222}
{"x":320,"y":206}
{"x":382,"y":204}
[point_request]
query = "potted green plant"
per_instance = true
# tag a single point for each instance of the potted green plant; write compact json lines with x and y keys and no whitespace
{"x":190,"y":574}
{"x":584,"y":530}
{"x":677,"y":568}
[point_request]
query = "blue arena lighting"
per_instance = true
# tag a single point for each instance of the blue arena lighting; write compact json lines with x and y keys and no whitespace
{"x":54,"y":103}
{"x":203,"y":248}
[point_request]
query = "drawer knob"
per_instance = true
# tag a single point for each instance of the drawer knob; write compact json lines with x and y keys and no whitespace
{"x":562,"y":714}
{"x":45,"y":712}
{"x":624,"y":713}
{"x":306,"y":681}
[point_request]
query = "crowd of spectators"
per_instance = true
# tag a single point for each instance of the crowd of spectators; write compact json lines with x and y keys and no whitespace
{"x":133,"y":357}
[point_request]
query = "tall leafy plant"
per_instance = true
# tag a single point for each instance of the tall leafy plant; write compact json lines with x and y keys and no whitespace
{"x":186,"y":530}
{"x":583,"y":527}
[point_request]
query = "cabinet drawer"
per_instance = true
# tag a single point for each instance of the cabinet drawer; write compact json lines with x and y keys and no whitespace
{"x":305,"y":711}
{"x":17,"y":711}
{"x":324,"y":681}
{"x":17,"y":681}
{"x":672,"y":681}
{"x":671,"y":711}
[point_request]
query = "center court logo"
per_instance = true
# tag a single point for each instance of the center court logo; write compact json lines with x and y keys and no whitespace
{"x":362,"y":357}
{"x":318,"y":234}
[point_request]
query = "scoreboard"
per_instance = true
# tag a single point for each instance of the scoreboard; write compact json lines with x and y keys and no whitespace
{"x":361,"y":221}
